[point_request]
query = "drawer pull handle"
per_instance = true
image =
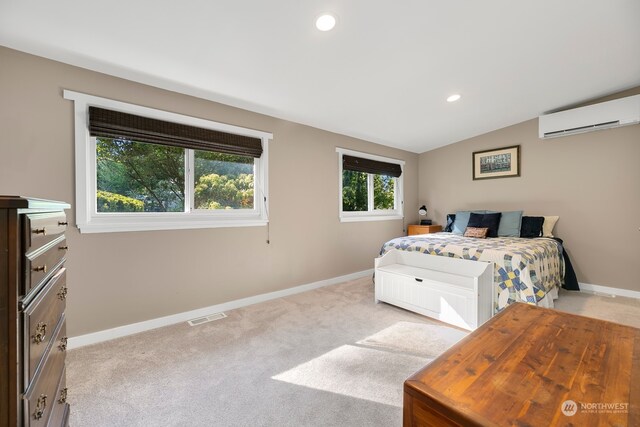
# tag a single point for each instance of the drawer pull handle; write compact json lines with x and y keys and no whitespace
{"x":42,"y":268}
{"x":63,"y":248}
{"x":63,"y":344}
{"x":63,"y":396}
{"x":41,"y":405}
{"x":42,"y":231}
{"x":62,"y":293}
{"x":418,"y":280}
{"x":41,"y":333}
{"x":63,"y":223}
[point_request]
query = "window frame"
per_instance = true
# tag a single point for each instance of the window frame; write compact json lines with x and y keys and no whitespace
{"x":88,"y":220}
{"x":371,"y":214}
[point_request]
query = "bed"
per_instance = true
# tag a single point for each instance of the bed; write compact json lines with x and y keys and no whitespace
{"x":525,"y":270}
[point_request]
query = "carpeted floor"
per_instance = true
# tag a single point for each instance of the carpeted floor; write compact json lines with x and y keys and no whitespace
{"x":614,"y":309}
{"x":328,"y":357}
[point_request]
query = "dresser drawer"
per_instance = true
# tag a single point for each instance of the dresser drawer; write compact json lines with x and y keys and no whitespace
{"x":42,"y":228}
{"x":40,"y":398}
{"x":40,"y":320}
{"x":40,"y":265}
{"x":59,"y":409}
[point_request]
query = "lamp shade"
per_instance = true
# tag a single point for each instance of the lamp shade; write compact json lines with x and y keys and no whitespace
{"x":423,"y":210}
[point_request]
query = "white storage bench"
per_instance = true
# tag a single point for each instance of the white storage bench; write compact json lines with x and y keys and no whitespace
{"x":455,"y":291}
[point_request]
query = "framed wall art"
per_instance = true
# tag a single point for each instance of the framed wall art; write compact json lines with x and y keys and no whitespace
{"x":496,"y":163}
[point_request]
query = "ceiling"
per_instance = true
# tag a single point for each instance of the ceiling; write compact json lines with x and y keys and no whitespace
{"x":383,"y":74}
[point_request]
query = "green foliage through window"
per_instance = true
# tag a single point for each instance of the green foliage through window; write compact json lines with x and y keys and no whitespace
{"x":383,"y":192}
{"x":150,"y":173}
{"x":110,"y":202}
{"x":223,"y":181}
{"x":139,"y":177}
{"x":355,"y":192}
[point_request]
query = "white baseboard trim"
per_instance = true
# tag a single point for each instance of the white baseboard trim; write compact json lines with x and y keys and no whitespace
{"x":134,"y":328}
{"x":606,"y":290}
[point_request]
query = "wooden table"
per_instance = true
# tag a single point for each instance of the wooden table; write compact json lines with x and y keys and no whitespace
{"x":528,"y":366}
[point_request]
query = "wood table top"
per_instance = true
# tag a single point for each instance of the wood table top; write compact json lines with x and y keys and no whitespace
{"x":531,"y":366}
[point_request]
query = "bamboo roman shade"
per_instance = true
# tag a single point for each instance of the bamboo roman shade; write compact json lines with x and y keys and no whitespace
{"x":115,"y":124}
{"x":358,"y":164}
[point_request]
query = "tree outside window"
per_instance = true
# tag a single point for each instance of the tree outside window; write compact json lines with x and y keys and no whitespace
{"x":355,"y":191}
{"x":139,"y":177}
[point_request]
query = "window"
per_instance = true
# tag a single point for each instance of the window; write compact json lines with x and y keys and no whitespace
{"x":138,"y":177}
{"x":144,"y":169}
{"x":370,"y":187}
{"x":223,"y":181}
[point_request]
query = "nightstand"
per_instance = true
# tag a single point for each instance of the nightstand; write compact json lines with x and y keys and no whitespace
{"x":423,"y":229}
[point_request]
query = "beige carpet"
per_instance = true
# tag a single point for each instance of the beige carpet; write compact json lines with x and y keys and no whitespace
{"x":329,"y":357}
{"x":614,"y":309}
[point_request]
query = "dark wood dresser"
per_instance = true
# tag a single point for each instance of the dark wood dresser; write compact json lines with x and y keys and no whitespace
{"x":531,"y":366}
{"x":33,"y":291}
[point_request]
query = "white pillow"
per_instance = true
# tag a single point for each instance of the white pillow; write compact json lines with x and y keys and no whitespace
{"x":548,"y":224}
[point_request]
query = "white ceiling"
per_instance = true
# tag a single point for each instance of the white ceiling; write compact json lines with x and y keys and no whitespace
{"x":382,"y":74}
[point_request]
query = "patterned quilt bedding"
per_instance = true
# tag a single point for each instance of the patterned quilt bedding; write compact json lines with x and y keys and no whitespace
{"x":524,"y":269}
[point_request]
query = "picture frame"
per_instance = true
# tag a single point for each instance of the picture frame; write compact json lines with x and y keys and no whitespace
{"x":496,"y":163}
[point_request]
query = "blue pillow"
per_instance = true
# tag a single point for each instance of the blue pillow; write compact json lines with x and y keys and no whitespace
{"x":510,"y":223}
{"x":461,"y":221}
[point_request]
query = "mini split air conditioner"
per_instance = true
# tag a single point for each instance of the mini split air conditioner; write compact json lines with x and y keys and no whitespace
{"x":606,"y":115}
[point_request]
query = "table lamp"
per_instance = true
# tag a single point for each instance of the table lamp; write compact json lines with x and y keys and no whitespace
{"x":423,"y":212}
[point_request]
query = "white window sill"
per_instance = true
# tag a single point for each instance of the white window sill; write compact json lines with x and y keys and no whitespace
{"x":166,"y":224}
{"x":362,"y":218}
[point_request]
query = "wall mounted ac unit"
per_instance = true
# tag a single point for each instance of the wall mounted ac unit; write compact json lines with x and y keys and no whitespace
{"x":606,"y":115}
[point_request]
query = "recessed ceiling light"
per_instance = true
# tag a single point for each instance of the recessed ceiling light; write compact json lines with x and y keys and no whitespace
{"x":454,"y":97}
{"x":326,"y":22}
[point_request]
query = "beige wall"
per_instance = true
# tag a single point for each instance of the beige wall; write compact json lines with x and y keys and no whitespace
{"x":121,"y":278}
{"x":592,"y":181}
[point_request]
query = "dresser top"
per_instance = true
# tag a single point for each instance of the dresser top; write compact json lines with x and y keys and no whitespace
{"x":17,"y":202}
{"x":535,"y":366}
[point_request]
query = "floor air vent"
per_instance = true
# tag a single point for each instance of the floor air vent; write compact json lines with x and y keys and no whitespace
{"x":206,"y":319}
